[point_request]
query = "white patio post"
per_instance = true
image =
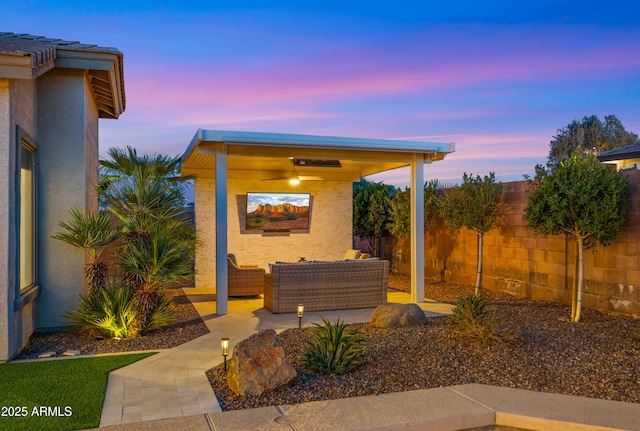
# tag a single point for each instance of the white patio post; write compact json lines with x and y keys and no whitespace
{"x":222,"y":270}
{"x":417,"y":228}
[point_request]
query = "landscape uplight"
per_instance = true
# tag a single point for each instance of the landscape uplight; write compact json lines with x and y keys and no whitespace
{"x":225,"y":350}
{"x":300,"y":314}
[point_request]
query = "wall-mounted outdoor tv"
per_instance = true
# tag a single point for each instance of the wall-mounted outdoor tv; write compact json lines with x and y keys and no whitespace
{"x":277,"y":211}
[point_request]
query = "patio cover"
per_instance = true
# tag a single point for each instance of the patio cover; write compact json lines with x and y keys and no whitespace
{"x":221,"y":155}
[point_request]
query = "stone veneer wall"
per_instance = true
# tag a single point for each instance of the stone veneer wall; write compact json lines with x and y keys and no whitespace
{"x":328,"y":237}
{"x":537,"y":267}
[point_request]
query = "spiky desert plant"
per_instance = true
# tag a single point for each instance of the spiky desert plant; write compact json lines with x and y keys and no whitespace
{"x":146,"y":194}
{"x":91,"y":231}
{"x":162,"y":314}
{"x":160,"y":259}
{"x":334,"y":349}
{"x":110,"y":311}
{"x":472,"y":318}
{"x":470,"y":308}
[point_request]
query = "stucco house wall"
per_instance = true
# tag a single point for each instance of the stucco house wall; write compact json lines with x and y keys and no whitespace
{"x":67,"y":141}
{"x":5,"y":298}
{"x":52,"y":93}
{"x":329,"y":230}
{"x":18,"y":100}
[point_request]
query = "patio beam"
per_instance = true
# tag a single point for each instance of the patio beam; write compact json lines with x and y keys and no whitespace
{"x":222,"y":270}
{"x":286,"y":151}
{"x":417,"y":228}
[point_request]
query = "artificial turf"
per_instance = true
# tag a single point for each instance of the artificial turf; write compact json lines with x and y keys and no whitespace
{"x":57,"y":395}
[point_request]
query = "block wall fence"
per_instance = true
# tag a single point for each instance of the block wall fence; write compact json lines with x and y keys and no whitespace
{"x":538,"y":267}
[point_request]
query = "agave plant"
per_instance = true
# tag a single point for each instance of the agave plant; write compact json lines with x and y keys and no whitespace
{"x":91,"y":231}
{"x":334,"y":350}
{"x":470,"y":308}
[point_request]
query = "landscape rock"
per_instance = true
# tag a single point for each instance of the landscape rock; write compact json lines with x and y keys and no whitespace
{"x":397,"y":315}
{"x":259,"y":365}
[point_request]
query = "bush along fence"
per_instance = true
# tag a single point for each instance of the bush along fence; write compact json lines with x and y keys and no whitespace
{"x":537,"y":267}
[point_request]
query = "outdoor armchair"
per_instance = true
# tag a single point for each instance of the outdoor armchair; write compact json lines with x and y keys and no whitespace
{"x":244,"y":280}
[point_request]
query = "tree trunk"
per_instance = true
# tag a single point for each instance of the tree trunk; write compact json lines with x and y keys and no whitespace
{"x":479,"y":277}
{"x":574,"y":290}
{"x":580,"y":278}
{"x":374,"y":246}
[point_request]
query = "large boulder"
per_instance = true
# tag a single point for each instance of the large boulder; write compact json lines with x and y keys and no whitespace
{"x":259,"y":365}
{"x":396,"y":315}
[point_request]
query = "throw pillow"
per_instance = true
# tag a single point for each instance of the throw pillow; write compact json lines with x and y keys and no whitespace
{"x":352,"y":254}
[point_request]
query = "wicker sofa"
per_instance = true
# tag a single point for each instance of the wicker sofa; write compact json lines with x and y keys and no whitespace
{"x":323,"y":286}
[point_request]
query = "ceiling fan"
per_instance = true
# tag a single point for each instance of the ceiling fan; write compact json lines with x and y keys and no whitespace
{"x":294,"y":178}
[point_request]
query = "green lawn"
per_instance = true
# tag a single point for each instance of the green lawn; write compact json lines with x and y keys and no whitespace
{"x":57,"y":395}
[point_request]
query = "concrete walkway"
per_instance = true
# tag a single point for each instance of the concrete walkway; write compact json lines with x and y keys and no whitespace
{"x":173,"y":383}
{"x":454,"y":408}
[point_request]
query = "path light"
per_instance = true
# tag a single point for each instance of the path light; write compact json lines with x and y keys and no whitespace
{"x":225,"y":350}
{"x":300,"y":314}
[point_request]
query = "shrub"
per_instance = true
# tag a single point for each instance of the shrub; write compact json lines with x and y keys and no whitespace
{"x":112,"y":312}
{"x":162,"y":314}
{"x":109,"y":311}
{"x":334,"y":350}
{"x":472,"y":318}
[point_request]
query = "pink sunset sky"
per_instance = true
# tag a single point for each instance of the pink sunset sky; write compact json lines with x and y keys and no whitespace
{"x":497,"y":81}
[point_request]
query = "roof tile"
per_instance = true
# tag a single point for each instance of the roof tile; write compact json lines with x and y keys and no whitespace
{"x":42,"y":49}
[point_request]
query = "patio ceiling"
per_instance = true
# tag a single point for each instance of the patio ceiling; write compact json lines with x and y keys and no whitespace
{"x":270,"y":156}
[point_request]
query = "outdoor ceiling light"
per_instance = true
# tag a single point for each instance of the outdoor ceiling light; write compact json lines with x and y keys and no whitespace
{"x":300,"y":314}
{"x":225,"y":350}
{"x":294,"y":181}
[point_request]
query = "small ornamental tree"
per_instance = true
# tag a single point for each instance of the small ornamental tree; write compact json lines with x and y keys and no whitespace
{"x":400,"y":213}
{"x":371,"y":211}
{"x":581,"y":198}
{"x":474,"y":205}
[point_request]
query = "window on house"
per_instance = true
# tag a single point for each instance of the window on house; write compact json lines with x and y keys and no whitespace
{"x":27,"y":160}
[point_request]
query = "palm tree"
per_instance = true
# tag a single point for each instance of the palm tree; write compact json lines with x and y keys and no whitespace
{"x":91,"y":231}
{"x":158,"y":259}
{"x":146,"y":194}
{"x":124,"y":163}
{"x":143,"y":190}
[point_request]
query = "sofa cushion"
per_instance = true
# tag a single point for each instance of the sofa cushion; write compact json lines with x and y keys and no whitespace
{"x":352,"y":254}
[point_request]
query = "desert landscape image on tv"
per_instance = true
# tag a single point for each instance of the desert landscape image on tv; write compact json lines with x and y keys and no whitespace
{"x":277,"y":211}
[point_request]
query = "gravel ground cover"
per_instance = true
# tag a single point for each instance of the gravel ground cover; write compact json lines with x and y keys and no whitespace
{"x":188,"y":326}
{"x":598,"y":357}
